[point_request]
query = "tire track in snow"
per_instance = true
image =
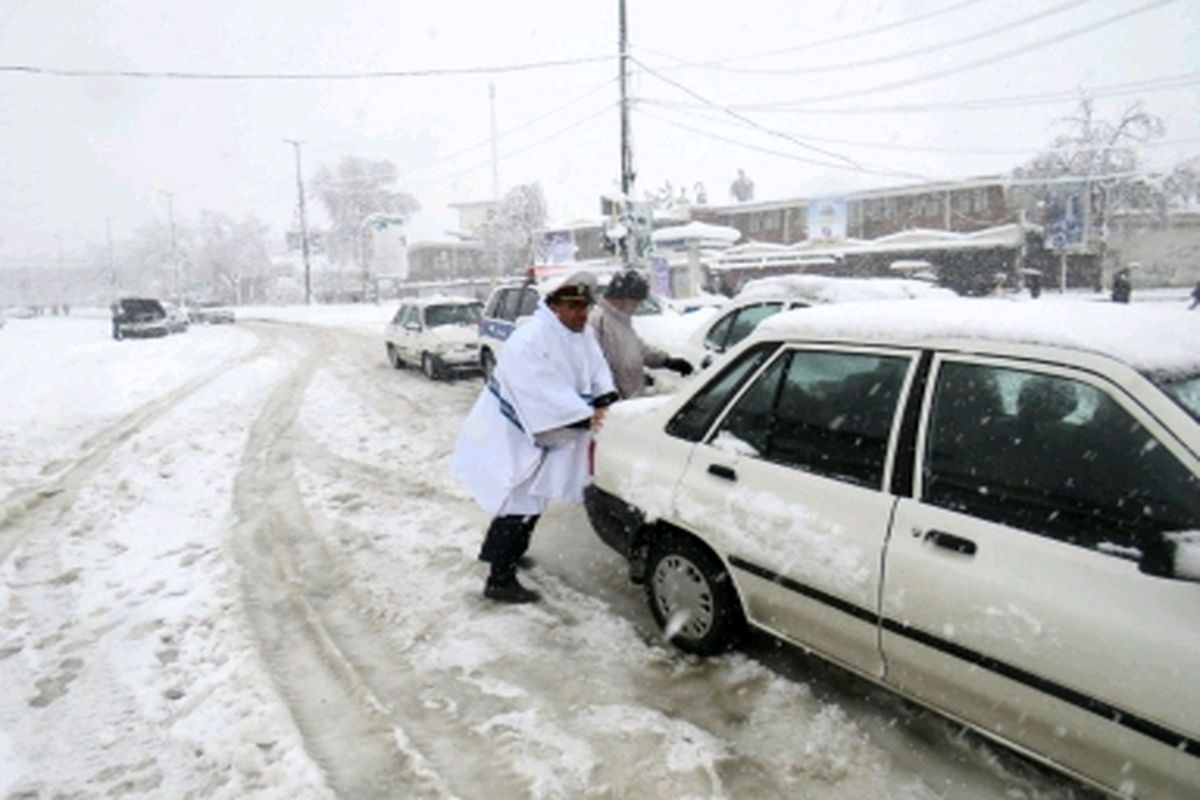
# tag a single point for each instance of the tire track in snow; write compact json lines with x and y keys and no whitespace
{"x":61,"y":492}
{"x":375,"y":729}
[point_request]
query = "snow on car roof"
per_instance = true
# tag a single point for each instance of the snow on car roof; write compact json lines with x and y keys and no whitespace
{"x":833,"y":289}
{"x":1148,"y":336}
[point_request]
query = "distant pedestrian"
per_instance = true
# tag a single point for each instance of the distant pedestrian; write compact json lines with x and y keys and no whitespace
{"x":526,"y":439}
{"x":1195,"y":296}
{"x":1122,"y":289}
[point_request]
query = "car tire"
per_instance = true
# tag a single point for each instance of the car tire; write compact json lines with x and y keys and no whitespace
{"x":118,"y":334}
{"x":430,"y":367}
{"x":692,"y":596}
{"x":487,"y":362}
{"x":394,"y":357}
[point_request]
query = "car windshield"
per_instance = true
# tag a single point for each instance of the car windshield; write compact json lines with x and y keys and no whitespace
{"x":453,"y":314}
{"x":1183,"y":390}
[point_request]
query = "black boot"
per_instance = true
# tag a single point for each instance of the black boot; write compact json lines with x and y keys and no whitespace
{"x":504,"y":546}
{"x":505,"y":588}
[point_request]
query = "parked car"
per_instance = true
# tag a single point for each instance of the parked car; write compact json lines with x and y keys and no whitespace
{"x":177,"y":318}
{"x":211,"y":313}
{"x":139,"y":317}
{"x":766,"y":297}
{"x":439,"y":334}
{"x":505,"y":309}
{"x":989,"y":507}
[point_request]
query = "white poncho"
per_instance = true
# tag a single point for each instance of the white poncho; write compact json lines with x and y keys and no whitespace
{"x":545,"y":379}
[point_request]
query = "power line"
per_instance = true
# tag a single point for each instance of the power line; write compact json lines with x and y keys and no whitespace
{"x":789,"y":156}
{"x":746,"y":120}
{"x":820,"y":42}
{"x":1164,"y":83}
{"x":520,"y":150}
{"x":60,"y":72}
{"x":903,"y":54}
{"x":1001,"y":56}
{"x":875,"y":145}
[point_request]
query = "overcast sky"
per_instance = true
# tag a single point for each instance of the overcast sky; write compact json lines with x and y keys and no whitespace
{"x":77,"y":150}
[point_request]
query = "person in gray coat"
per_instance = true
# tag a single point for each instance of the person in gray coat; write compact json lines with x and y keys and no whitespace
{"x":626,"y":353}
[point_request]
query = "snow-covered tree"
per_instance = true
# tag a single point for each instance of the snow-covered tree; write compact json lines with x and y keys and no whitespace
{"x":352,"y":191}
{"x":513,"y":238}
{"x":1103,"y":155}
{"x":229,"y":253}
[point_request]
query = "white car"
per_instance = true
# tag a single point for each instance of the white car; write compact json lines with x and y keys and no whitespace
{"x":438,"y":334}
{"x":991,"y":508}
{"x":766,"y":297}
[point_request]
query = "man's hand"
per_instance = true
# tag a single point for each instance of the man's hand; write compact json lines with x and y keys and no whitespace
{"x":679,"y":365}
{"x":598,"y":417}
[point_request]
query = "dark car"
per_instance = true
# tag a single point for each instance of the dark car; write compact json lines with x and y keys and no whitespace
{"x":139,"y":317}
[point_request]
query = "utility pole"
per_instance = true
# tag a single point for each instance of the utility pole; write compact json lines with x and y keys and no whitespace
{"x":627,"y":174}
{"x":174,"y":257}
{"x":112,"y":264}
{"x":303,"y":224}
{"x":495,"y":160}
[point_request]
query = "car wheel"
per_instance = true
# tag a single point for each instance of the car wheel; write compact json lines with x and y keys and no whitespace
{"x":692,"y":596}
{"x":394,"y":357}
{"x":487,"y":362}
{"x":429,"y":367}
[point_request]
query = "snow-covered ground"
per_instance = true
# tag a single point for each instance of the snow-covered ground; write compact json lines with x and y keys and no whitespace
{"x":233,"y":564}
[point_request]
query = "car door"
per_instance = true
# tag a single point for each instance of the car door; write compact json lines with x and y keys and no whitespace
{"x":1013,"y":597}
{"x":788,"y":487}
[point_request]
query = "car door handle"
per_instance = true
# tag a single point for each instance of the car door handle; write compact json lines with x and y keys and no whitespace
{"x":722,"y":471}
{"x":951,"y":542}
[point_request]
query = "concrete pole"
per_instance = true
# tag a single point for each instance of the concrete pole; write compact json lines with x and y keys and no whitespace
{"x":303,"y":223}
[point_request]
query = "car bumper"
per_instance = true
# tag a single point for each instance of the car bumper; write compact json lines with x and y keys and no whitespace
{"x":616,"y":522}
{"x":143,"y":331}
{"x":462,"y":360}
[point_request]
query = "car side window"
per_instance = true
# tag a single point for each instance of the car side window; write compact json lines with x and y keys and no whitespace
{"x":747,"y":320}
{"x":506,"y":307}
{"x":529,"y":303}
{"x":696,"y":417}
{"x":1052,"y":456}
{"x":831,"y":414}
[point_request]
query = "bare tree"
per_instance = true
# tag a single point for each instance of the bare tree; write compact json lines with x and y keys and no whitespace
{"x":352,"y":191}
{"x":1103,"y":155}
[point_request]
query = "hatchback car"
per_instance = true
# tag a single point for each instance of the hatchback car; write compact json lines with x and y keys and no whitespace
{"x":989,"y":507}
{"x":766,"y":297}
{"x":139,"y":317}
{"x":438,"y":334}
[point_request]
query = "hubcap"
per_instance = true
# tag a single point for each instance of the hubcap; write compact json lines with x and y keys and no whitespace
{"x":684,"y":597}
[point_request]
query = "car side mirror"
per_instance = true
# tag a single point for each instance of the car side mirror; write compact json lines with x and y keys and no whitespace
{"x":413,"y":326}
{"x":1171,"y":555}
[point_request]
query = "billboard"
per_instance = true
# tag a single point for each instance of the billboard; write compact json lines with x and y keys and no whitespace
{"x":827,"y":219}
{"x":1065,"y":216}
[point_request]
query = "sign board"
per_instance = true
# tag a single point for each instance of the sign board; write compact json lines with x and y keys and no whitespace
{"x":827,"y":219}
{"x":1065,"y":216}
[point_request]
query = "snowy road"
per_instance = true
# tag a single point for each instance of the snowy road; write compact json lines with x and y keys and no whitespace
{"x":233,"y":564}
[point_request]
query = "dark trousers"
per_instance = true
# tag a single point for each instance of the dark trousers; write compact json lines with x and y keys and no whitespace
{"x":506,"y":541}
